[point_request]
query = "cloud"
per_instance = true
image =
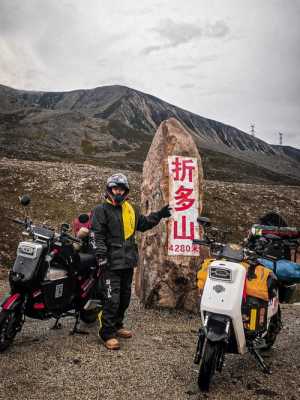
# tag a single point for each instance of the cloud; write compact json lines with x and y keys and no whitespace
{"x":184,"y":67}
{"x":208,"y":58}
{"x":218,"y":29}
{"x":187,"y":86}
{"x":150,"y":49}
{"x":174,"y":33}
{"x":20,"y":66}
{"x":177,"y":33}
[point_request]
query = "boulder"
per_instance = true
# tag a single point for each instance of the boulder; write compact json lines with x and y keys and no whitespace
{"x":164,"y":279}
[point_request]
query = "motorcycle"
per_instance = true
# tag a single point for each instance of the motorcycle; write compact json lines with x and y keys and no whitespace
{"x":282,"y":251}
{"x":239,"y":304}
{"x":49,"y":279}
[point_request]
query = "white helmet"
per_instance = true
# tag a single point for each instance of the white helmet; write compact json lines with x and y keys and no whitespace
{"x":117,"y":180}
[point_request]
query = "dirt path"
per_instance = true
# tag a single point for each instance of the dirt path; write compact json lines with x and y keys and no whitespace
{"x":155,"y":364}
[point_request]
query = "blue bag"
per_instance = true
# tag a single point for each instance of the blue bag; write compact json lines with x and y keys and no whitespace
{"x":286,"y":271}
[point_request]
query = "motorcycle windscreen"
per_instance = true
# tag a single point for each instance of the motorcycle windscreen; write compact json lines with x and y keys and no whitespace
{"x":26,"y":263}
{"x":233,"y":252}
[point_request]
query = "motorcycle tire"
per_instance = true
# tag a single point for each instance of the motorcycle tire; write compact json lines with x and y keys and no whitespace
{"x":89,"y":316}
{"x":273,"y":330}
{"x":10,"y":325}
{"x":208,"y":364}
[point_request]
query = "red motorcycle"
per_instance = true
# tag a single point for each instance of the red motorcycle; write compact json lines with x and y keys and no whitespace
{"x":49,"y":279}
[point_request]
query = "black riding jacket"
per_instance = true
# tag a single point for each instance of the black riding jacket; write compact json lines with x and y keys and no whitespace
{"x":109,"y":236}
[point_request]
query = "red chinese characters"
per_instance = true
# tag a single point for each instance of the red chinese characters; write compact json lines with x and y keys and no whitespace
{"x":182,"y":167}
{"x":184,"y":234}
{"x":183,"y":176}
{"x":183,"y":199}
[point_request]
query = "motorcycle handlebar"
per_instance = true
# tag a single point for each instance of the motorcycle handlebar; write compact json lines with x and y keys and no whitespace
{"x":201,"y":242}
{"x":18,"y":221}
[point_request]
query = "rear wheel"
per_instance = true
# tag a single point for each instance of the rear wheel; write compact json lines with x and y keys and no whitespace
{"x":209,"y":360}
{"x":10,"y":325}
{"x":273,"y":330}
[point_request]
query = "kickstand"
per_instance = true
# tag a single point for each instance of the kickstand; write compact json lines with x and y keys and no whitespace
{"x":76,"y":329}
{"x":261,"y":362}
{"x":57,"y":324}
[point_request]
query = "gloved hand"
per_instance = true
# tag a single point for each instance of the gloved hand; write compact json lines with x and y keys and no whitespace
{"x":101,"y":261}
{"x":165,"y":212}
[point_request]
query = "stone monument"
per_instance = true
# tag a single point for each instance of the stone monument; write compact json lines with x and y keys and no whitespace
{"x":172,"y":173}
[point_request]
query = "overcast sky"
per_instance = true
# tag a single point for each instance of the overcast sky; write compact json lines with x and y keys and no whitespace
{"x":235,"y":61}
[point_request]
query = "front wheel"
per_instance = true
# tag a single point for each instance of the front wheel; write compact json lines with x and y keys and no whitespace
{"x":208,"y":364}
{"x":10,"y":325}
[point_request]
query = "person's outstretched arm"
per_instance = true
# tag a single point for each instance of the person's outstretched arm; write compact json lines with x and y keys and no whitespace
{"x":153,"y":219}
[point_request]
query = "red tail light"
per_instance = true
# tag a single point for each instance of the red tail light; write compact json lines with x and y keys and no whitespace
{"x":39,"y":306}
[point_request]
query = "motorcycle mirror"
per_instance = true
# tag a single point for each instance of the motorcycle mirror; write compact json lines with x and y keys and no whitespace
{"x":83,"y":218}
{"x":65,"y":227}
{"x":203,"y":221}
{"x":25,"y":200}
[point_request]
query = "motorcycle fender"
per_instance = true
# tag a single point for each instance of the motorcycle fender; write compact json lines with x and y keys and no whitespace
{"x":4,"y":299}
{"x":216,"y":337}
{"x":12,"y":302}
{"x":213,"y":332}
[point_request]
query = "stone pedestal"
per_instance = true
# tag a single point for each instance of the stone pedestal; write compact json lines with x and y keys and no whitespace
{"x":163,"y":280}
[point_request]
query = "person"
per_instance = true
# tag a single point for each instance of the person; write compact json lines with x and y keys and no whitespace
{"x":84,"y":220}
{"x":81,"y":229}
{"x":114,"y":223}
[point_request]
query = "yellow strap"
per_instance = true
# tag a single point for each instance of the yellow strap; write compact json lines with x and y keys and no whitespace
{"x":253,"y":316}
{"x":128,"y":215}
{"x":100,"y":316}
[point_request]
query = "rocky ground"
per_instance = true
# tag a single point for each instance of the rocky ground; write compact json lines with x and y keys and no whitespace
{"x":157,"y":362}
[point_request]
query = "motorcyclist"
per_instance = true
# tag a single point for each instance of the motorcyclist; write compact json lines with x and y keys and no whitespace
{"x":81,"y":229}
{"x":114,"y":223}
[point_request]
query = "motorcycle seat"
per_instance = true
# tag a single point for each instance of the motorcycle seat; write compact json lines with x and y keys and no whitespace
{"x":86,"y":262}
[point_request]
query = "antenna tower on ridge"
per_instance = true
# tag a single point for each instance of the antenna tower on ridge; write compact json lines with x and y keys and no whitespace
{"x":280,"y":138}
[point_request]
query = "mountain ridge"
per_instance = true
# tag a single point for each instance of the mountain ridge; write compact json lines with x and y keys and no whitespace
{"x":117,"y":121}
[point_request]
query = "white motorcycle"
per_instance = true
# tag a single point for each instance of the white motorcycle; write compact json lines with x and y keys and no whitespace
{"x":239,"y":305}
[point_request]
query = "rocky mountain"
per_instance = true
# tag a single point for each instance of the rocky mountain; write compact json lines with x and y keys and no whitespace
{"x":115,"y":125}
{"x":289,"y":151}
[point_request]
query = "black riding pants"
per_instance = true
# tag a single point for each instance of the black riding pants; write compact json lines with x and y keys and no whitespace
{"x":117,"y":292}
